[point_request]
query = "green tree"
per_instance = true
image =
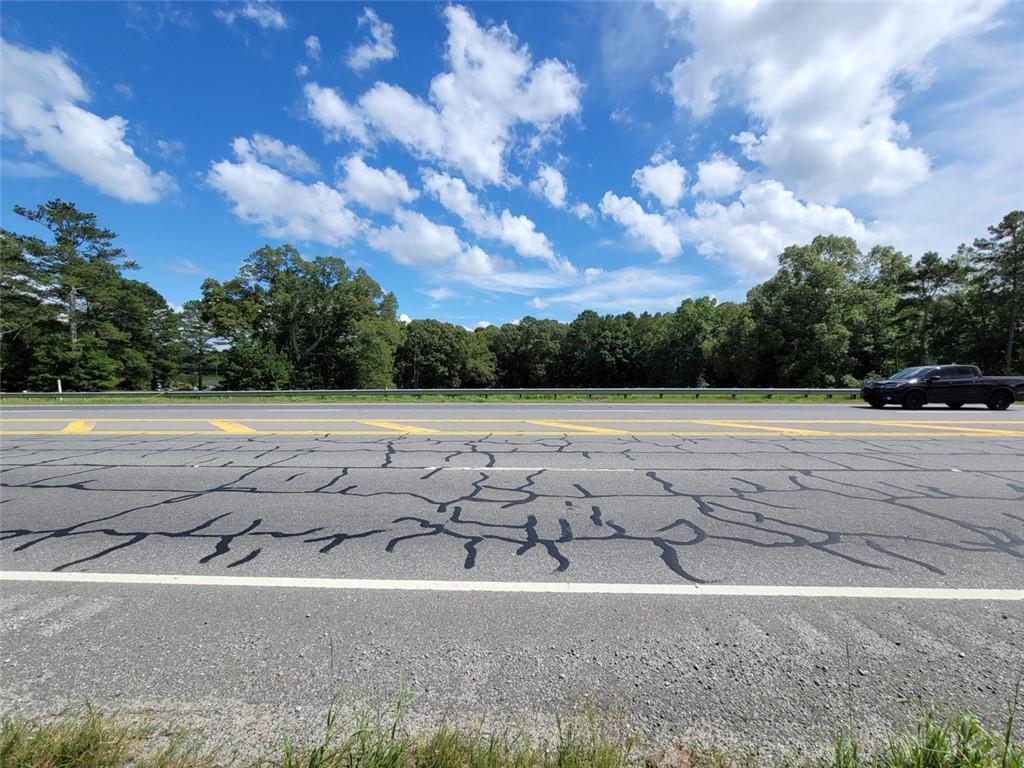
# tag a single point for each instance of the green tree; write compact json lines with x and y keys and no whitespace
{"x":334,"y":328}
{"x":1000,"y":262}
{"x":799,"y":336}
{"x":86,"y":324}
{"x":433,"y":354}
{"x":197,"y":336}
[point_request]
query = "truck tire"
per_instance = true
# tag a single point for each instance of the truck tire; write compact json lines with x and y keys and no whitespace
{"x":914,"y":400}
{"x":1000,"y":400}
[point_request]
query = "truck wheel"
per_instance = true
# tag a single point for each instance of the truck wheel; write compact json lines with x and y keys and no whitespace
{"x":954,"y":406}
{"x":913,"y":401}
{"x":999,"y":400}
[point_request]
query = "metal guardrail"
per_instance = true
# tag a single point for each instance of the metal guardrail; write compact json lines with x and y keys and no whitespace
{"x":625,"y":392}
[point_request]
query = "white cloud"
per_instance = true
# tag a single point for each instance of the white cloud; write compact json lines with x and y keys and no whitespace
{"x":313,"y":47}
{"x":282,"y":206}
{"x":583,"y":212}
{"x":335,"y":115}
{"x":977,"y":181}
{"x":415,"y":240}
{"x":186,"y":267}
{"x":822,"y":82}
{"x":404,"y":319}
{"x":492,"y":87}
{"x":750,"y":232}
{"x":664,"y":179}
{"x":378,"y":190}
{"x":38,"y":106}
{"x":654,"y":229}
{"x":171,"y":149}
{"x":719,"y":176}
{"x":550,"y":185}
{"x":124,"y":90}
{"x":301,"y":69}
{"x":482,"y":324}
{"x":627,"y":290}
{"x":275,"y":153}
{"x":379,"y":47}
{"x":516,"y":231}
{"x":261,"y":13}
{"x":440,"y":294}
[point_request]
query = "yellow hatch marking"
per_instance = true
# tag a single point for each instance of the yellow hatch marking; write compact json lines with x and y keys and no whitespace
{"x":78,"y":427}
{"x":232,"y":427}
{"x":576,"y":427}
{"x":403,"y":428}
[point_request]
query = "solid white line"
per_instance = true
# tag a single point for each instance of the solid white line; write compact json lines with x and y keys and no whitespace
{"x":530,"y":469}
{"x":557,"y":587}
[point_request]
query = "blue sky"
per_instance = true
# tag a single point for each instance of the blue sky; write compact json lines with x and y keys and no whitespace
{"x":489,"y":161}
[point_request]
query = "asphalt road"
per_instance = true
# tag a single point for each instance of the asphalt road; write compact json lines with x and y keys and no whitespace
{"x":540,"y":504}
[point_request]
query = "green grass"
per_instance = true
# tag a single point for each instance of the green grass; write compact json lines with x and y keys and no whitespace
{"x":709,"y":398}
{"x":88,"y":739}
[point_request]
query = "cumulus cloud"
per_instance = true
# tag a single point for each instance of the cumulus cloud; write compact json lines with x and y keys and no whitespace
{"x":492,"y":87}
{"x":262,"y":14}
{"x":277,"y":154}
{"x":378,"y":190}
{"x":550,"y":185}
{"x":663,"y":179}
{"x":821,"y":81}
{"x":380,"y":45}
{"x":280,"y":205}
{"x":718,"y":176}
{"x":335,"y":116}
{"x":39,"y":107}
{"x":749,"y":233}
{"x":313,"y":47}
{"x":653,"y":229}
{"x":583,"y":212}
{"x":519,"y":232}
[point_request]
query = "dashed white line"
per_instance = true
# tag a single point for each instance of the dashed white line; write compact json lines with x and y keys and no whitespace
{"x":547,"y":587}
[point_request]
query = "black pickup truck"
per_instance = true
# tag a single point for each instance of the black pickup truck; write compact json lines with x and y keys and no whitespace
{"x":953,"y":385}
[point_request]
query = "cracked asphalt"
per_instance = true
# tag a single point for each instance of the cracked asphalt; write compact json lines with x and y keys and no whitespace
{"x":774,"y":495}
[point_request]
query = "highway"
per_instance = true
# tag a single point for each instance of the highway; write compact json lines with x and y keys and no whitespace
{"x":719,"y":571}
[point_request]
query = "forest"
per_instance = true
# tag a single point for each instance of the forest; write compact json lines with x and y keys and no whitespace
{"x":830,"y":316}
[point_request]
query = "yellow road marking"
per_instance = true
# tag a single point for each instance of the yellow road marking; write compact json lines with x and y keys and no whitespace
{"x":999,"y":432}
{"x":403,"y":428}
{"x":504,"y":433}
{"x":232,"y":427}
{"x":79,"y":427}
{"x":778,"y":430}
{"x":576,"y":427}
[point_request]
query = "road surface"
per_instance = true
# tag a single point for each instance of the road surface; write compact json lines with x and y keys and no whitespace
{"x":761,"y":573}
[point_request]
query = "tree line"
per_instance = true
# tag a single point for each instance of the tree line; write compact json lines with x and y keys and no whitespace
{"x":830,"y":316}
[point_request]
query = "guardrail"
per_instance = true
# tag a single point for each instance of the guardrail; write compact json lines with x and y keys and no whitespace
{"x":590,"y":392}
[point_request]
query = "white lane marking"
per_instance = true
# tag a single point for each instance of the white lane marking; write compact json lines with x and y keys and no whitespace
{"x":527,"y":469}
{"x":556,"y":587}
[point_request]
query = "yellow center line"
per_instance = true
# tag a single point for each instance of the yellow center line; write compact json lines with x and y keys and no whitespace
{"x":79,"y":427}
{"x":232,"y":427}
{"x":402,"y":428}
{"x":778,"y":430}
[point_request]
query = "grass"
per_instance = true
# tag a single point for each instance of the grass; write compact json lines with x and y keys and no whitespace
{"x":14,"y":399}
{"x":86,"y":738}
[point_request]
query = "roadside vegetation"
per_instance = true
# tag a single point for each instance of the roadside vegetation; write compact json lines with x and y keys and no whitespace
{"x":831,"y":316}
{"x":89,"y":739}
